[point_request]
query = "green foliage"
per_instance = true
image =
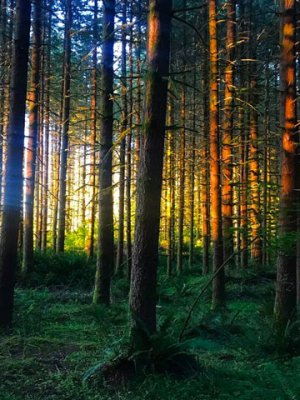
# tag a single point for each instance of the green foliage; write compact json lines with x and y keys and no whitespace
{"x":69,"y":269}
{"x":76,"y":239}
{"x":285,"y":243}
{"x":58,"y":335}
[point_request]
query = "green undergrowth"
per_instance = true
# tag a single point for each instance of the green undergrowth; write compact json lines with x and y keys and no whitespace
{"x":58,"y":336}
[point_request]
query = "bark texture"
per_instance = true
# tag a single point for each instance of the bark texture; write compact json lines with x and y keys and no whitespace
{"x":13,"y":180}
{"x":215,"y":181}
{"x":30,"y":154}
{"x":285,"y":301}
{"x":149,"y":184}
{"x":105,"y":259}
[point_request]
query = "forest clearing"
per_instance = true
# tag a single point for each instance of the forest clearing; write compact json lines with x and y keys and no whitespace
{"x":149,"y":199}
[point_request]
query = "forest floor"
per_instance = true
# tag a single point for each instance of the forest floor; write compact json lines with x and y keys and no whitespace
{"x":58,"y":335}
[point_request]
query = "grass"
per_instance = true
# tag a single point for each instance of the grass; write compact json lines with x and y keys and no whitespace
{"x":58,"y":335}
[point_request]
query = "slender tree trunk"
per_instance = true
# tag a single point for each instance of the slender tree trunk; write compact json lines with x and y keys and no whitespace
{"x":3,"y":72}
{"x":64,"y":130}
{"x":91,"y":235}
{"x":227,"y":170}
{"x":128,"y":155}
{"x":182,"y":155}
{"x":192,"y":177}
{"x":39,"y":161}
{"x":255,"y":215}
{"x":285,"y":301}
{"x":82,"y":216}
{"x":30,"y":154}
{"x":170,"y":199}
{"x":145,"y":252}
{"x":218,"y":292}
{"x":265,"y":227}
{"x":105,"y":260}
{"x":139,"y":91}
{"x":13,"y":180}
{"x":124,"y":123}
{"x":47,"y":133}
{"x":56,"y":163}
{"x":243,"y":144}
{"x":205,"y":173}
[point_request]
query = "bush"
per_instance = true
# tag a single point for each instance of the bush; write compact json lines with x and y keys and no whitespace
{"x":69,"y":269}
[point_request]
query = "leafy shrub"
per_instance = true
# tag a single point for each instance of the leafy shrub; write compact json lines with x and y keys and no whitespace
{"x":69,"y":269}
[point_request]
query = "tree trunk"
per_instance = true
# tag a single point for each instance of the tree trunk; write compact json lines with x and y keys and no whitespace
{"x":105,"y":260}
{"x":171,"y":188}
{"x":265,"y":225}
{"x":30,"y":153}
{"x":218,"y":292}
{"x":145,"y":251}
{"x":128,"y":155}
{"x":47,"y":134}
{"x":13,"y":180}
{"x":255,"y":215}
{"x":227,"y":173}
{"x":285,"y":300}
{"x":192,"y":177}
{"x":91,"y":235}
{"x":123,"y":133}
{"x":205,"y":177}
{"x":243,"y":143}
{"x":4,"y":71}
{"x":182,"y":155}
{"x":64,"y":130}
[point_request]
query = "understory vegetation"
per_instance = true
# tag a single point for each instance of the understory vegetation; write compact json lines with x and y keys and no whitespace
{"x":58,"y":336}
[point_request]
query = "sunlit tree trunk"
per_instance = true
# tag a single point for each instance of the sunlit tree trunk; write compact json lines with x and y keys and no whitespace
{"x":64,"y":130}
{"x":243,"y":143}
{"x":227,"y":154}
{"x":265,"y":226}
{"x":55,"y":182}
{"x":39,"y":160}
{"x":47,"y":132}
{"x":182,"y":154}
{"x":205,"y":173}
{"x":255,"y":215}
{"x":215,"y":184}
{"x":149,"y":184}
{"x":91,"y":227}
{"x":82,"y":153}
{"x":30,"y":154}
{"x":170,"y":189}
{"x":285,"y":300}
{"x":105,"y":259}
{"x":192,"y":178}
{"x":13,"y":180}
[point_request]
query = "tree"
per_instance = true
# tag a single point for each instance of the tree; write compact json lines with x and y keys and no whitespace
{"x":182,"y":154}
{"x":149,"y":183}
{"x":13,"y":180}
{"x":285,"y":300}
{"x":90,"y":246}
{"x":64,"y":129}
{"x":30,"y":154}
{"x":215,"y":184}
{"x":45,"y":186}
{"x":105,"y":259}
{"x":227,"y":156}
{"x":123,"y":133}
